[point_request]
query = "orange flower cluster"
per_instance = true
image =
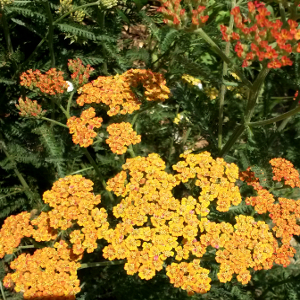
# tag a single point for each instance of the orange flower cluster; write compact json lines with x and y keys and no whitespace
{"x":52,"y":82}
{"x":49,"y":273}
{"x":29,"y":108}
{"x":72,"y":200}
{"x":248,"y":244}
{"x":80,"y":73}
{"x":269,"y":40}
{"x":262,"y":202}
{"x":284,"y":169}
{"x":115,"y":91}
{"x":284,"y":214}
{"x":120,"y":136}
{"x":216,"y":178}
{"x":82,"y":128}
{"x":189,"y":276}
{"x":12,"y":231}
{"x":178,"y":17}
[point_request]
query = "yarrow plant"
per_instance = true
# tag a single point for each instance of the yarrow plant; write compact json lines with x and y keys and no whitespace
{"x":159,"y":133}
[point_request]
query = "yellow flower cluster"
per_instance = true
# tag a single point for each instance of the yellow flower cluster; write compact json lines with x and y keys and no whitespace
{"x":120,"y":136}
{"x":216,"y":178}
{"x":189,"y":276}
{"x":12,"y":231}
{"x":72,"y":200}
{"x":156,"y":226}
{"x":115,"y":91}
{"x":248,"y":244}
{"x":211,"y":92}
{"x":48,"y":273}
{"x":190,"y":79}
{"x":82,"y":128}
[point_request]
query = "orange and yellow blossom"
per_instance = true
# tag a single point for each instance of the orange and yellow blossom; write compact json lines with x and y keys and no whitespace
{"x":73,"y":202}
{"x":82,"y":129}
{"x":284,"y":169}
{"x":115,"y":91}
{"x":49,"y":272}
{"x":120,"y":136}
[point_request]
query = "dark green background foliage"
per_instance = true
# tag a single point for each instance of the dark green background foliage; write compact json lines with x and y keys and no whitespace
{"x":41,"y":153}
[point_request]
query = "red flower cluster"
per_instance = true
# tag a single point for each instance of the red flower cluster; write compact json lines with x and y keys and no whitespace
{"x":29,"y":108}
{"x":269,"y":41}
{"x":52,"y":82}
{"x":175,"y":15}
{"x":80,"y":73}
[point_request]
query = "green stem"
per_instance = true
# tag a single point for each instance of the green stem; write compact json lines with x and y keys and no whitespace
{"x":249,"y":110}
{"x":223,"y":88}
{"x":134,"y":119}
{"x":13,"y":193}
{"x":131,"y":151}
{"x":6,"y":33}
{"x":27,"y":190}
{"x":186,"y":136}
{"x":70,"y":102}
{"x":82,"y":170}
{"x":101,"y":21}
{"x":276,"y":119}
{"x":101,"y":264}
{"x":254,"y":92}
{"x":225,"y":58}
{"x":93,"y":163}
{"x":24,"y":247}
{"x":55,"y":122}
{"x":236,"y":134}
{"x":2,"y":291}
{"x":282,"y":15}
{"x":50,"y":32}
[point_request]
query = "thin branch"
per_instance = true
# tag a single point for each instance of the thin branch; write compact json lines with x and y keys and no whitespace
{"x":223,"y":87}
{"x":55,"y":122}
{"x":101,"y":264}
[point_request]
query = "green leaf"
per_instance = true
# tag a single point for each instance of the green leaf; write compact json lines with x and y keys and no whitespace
{"x":123,"y":16}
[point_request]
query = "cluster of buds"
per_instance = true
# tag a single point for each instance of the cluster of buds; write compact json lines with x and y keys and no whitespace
{"x":83,"y":128}
{"x":269,"y":41}
{"x":175,"y":15}
{"x":80,"y":73}
{"x":4,"y":3}
{"x":52,"y":82}
{"x":29,"y":108}
{"x":107,"y":4}
{"x":121,"y":135}
{"x":66,"y":6}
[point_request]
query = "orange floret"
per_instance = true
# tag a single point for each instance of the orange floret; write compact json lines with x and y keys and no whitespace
{"x":82,"y":129}
{"x":120,"y":136}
